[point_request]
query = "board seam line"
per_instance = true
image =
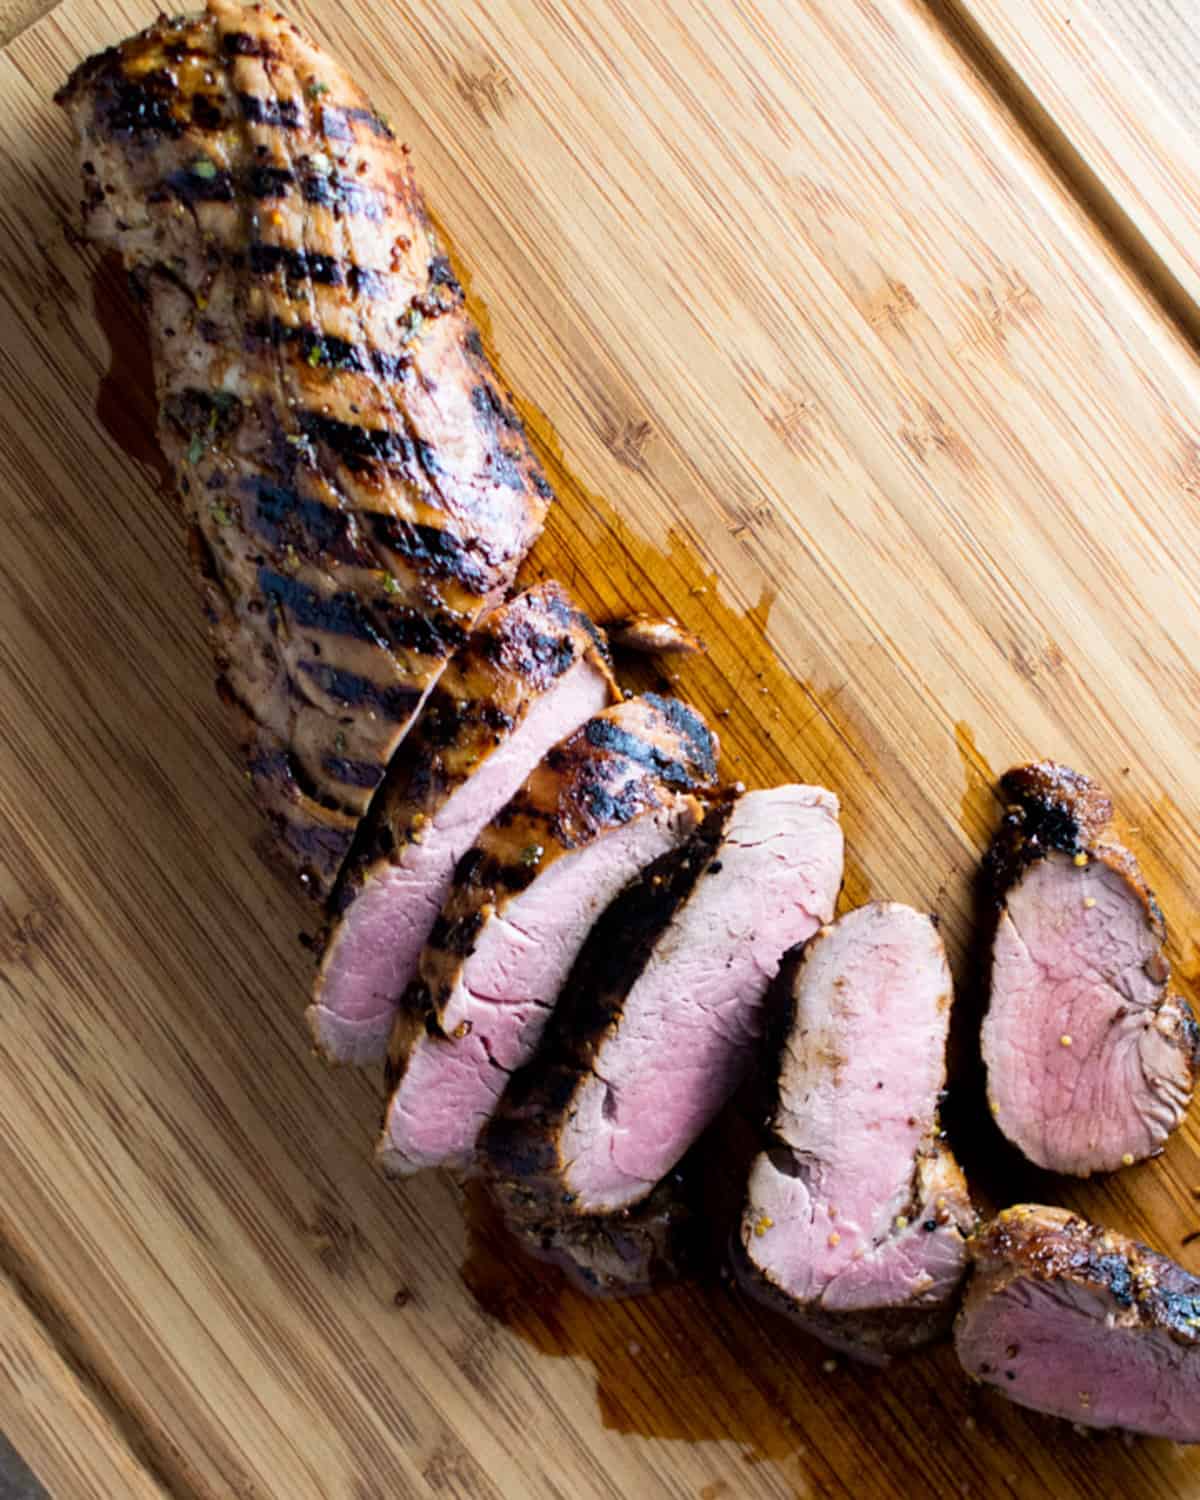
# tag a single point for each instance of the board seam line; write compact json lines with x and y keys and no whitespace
{"x":975,"y":47}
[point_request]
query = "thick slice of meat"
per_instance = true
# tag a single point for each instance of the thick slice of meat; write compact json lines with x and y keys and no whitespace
{"x":1090,"y":1058}
{"x":1081,"y":1322}
{"x":533,"y":671}
{"x":857,"y":1215}
{"x":664,"y":1010}
{"x":357,"y":488}
{"x":603,"y":804}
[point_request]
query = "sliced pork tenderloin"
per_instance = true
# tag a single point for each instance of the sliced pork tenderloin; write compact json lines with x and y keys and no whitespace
{"x":856,"y":1217}
{"x":664,"y":1010}
{"x":532,"y":673}
{"x":1081,"y":1322}
{"x":1090,"y":1058}
{"x":611,"y":798}
{"x":357,"y":487}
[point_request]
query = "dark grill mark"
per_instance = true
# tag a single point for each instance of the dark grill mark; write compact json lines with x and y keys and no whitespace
{"x":143,"y":108}
{"x":494,"y":410}
{"x":434,"y":552}
{"x":284,"y":518}
{"x":604,"y":734}
{"x":687,"y":723}
{"x":553,"y":654}
{"x":296,"y":265}
{"x":381,"y":624}
{"x":457,"y":936}
{"x":186,"y":185}
{"x":504,"y":470}
{"x":441,"y":273}
{"x":268,"y":182}
{"x":361,"y":773}
{"x":283,"y":114}
{"x":300,"y":265}
{"x":326,"y":350}
{"x":395,"y":703}
{"x":207,"y":113}
{"x":1115,"y":1274}
{"x":337,"y":614}
{"x":358,"y":447}
{"x":336,"y":122}
{"x":603,"y":806}
{"x":334,"y":191}
{"x":242,"y":44}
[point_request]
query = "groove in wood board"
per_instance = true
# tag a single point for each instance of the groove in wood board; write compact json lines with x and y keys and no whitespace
{"x":873,"y":407}
{"x":1113,"y":131}
{"x":53,"y":1419}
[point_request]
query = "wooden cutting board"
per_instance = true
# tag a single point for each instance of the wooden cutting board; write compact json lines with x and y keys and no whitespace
{"x":826,"y":359}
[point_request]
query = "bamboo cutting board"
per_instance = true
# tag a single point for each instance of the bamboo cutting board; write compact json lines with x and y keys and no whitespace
{"x":825,"y":359}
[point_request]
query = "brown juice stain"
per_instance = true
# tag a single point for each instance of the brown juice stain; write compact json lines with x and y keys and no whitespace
{"x":649,"y":1383}
{"x":981,"y":801}
{"x":126,"y":406}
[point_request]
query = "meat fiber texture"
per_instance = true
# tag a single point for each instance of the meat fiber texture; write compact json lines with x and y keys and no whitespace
{"x":664,"y":1012}
{"x":1078,"y":1321}
{"x":605,"y":803}
{"x":532,"y":673}
{"x":856,"y":1215}
{"x":357,"y":487}
{"x":1090,"y":1058}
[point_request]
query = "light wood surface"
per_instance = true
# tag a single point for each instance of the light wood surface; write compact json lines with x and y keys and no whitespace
{"x":1110,"y":90}
{"x":830,"y":364}
{"x":52,"y":1417}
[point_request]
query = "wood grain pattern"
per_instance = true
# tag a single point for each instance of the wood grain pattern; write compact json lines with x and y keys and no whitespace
{"x":16,"y":15}
{"x":1093,"y":85}
{"x":54,"y":1420}
{"x":875,"y":408}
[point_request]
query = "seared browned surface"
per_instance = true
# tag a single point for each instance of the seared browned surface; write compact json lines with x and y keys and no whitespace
{"x":510,"y":659}
{"x":747,"y":402}
{"x":1082,"y":1322}
{"x":625,"y":1254}
{"x":1052,"y":808}
{"x":1091,"y":1058}
{"x":521,"y":1148}
{"x":356,"y":485}
{"x":615,"y":793}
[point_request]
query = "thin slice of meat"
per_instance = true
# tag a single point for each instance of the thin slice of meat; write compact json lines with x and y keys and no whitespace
{"x":533,"y":672}
{"x":605,"y":803}
{"x":857,"y":1215}
{"x":664,"y":1010}
{"x":1090,"y":1059}
{"x":1081,"y":1322}
{"x":357,"y":488}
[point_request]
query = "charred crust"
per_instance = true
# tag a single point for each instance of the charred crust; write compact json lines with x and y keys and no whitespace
{"x":1049,"y":808}
{"x":521,"y":1141}
{"x":1050,"y":1245}
{"x":621,"y":1254}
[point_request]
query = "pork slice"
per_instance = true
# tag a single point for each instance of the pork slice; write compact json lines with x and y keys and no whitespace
{"x":532,"y":673}
{"x":611,"y":798}
{"x":857,"y":1214}
{"x":1090,"y":1058}
{"x":1078,"y":1321}
{"x":664,"y":1011}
